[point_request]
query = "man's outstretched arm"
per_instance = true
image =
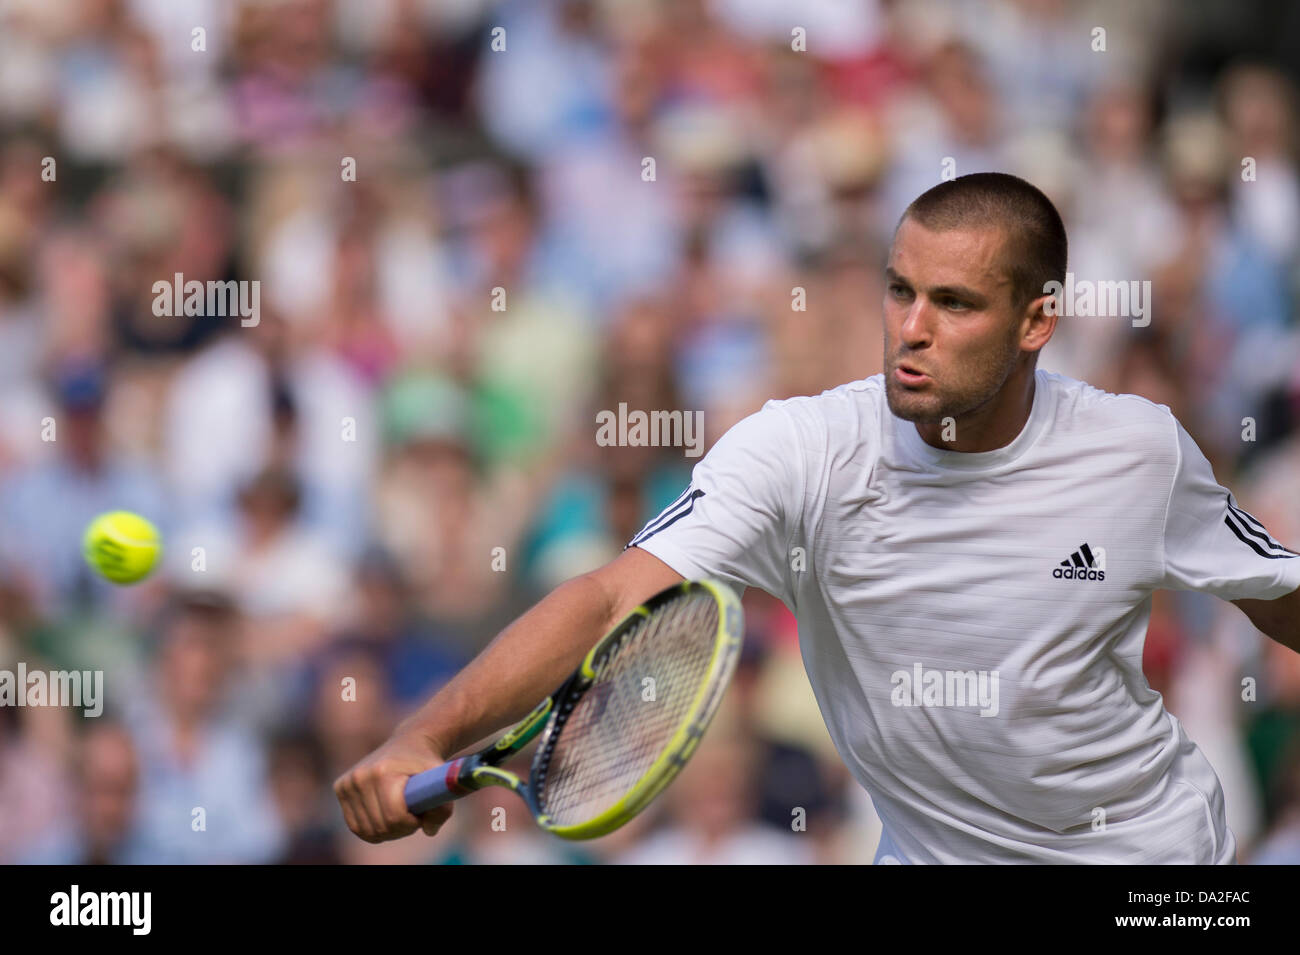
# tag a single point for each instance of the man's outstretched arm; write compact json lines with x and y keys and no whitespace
{"x":525,"y":663}
{"x":1279,"y":618}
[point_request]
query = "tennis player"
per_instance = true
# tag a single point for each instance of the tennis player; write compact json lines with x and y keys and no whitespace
{"x":970,"y":546}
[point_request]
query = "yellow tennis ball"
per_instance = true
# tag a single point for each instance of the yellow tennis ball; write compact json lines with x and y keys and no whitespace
{"x":122,"y":546}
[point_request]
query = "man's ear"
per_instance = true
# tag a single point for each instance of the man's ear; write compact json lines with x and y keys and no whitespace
{"x":1039,"y":322}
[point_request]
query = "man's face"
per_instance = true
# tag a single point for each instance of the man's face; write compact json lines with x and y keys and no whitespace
{"x":952,"y":336}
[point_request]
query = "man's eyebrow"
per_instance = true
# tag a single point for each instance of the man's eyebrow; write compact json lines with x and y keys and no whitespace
{"x":954,"y":291}
{"x":958,"y":291}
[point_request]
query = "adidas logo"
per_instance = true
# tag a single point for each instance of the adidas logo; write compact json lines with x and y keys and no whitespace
{"x":1083,"y":564}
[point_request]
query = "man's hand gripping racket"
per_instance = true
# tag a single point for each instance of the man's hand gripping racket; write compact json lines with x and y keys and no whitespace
{"x":620,"y":728}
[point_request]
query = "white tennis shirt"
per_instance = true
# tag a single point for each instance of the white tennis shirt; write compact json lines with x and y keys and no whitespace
{"x":972,"y":623}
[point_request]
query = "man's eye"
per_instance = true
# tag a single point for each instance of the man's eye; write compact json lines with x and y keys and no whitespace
{"x":898,"y":291}
{"x":954,"y":304}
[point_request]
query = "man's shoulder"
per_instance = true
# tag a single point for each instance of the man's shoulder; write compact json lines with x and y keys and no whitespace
{"x":1084,"y":406}
{"x":847,"y":405}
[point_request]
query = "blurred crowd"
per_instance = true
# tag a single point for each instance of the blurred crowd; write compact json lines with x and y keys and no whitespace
{"x":463,"y":255}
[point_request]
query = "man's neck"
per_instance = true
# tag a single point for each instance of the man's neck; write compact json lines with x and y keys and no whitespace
{"x":992,"y":425}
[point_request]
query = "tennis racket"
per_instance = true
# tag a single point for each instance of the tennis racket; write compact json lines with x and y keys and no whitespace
{"x":621,"y":727}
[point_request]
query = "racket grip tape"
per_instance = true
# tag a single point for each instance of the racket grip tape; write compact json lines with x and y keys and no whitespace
{"x":435,"y":787}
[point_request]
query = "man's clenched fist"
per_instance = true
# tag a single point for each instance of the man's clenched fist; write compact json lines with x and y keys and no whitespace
{"x":372,"y":793}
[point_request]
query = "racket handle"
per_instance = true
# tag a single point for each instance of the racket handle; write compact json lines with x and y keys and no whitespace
{"x":435,"y":787}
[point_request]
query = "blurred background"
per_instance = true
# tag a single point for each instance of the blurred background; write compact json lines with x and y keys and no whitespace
{"x":332,"y":482}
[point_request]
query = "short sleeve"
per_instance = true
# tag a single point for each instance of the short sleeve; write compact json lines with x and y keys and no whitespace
{"x":1214,"y":546}
{"x":734,"y":520}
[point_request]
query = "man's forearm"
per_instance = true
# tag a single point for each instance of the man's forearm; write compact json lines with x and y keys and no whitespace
{"x":525,"y":663}
{"x":1279,"y":619}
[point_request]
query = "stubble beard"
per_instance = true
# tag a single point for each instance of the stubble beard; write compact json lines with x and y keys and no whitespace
{"x":934,"y":405}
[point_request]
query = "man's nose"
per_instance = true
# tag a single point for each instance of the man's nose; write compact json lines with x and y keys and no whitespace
{"x":916,"y":329}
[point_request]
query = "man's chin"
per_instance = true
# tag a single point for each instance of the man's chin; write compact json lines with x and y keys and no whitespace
{"x":911,"y":406}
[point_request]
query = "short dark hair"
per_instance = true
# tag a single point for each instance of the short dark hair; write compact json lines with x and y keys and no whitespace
{"x":1036,"y":247}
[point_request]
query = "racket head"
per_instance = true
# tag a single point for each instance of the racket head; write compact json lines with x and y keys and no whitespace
{"x":607,"y":751}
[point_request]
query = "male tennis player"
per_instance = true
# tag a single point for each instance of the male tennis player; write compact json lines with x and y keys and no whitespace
{"x":969,"y":545}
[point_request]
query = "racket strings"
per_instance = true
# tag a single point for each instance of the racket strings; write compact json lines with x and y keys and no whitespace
{"x":642,"y":695}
